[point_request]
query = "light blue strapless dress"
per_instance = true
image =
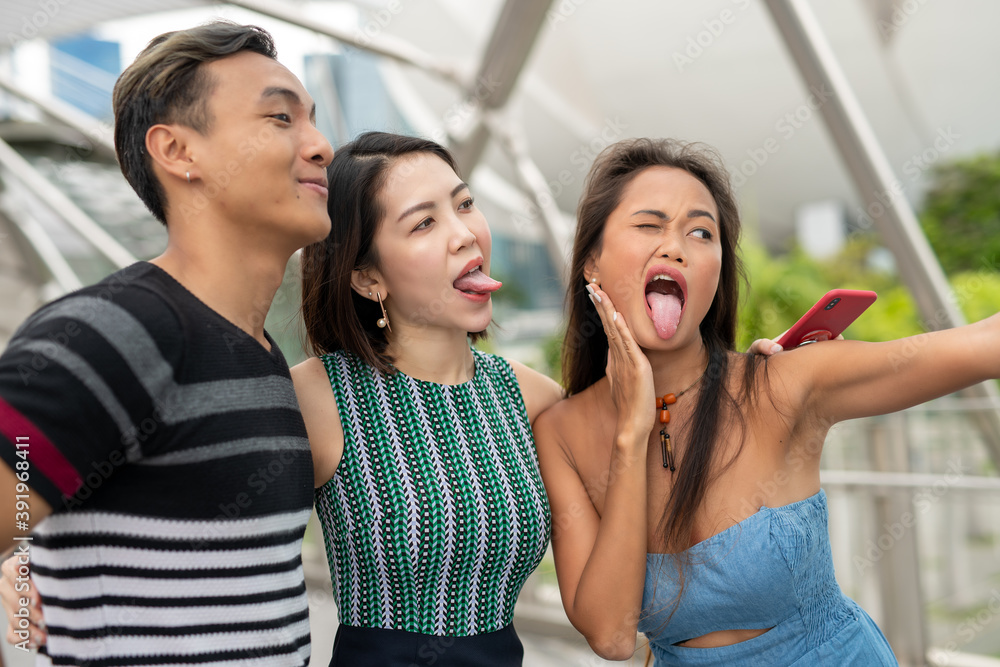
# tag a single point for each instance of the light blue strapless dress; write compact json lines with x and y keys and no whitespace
{"x":771,"y":570}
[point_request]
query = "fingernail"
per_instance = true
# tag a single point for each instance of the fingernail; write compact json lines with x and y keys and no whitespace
{"x":593,"y":293}
{"x":591,"y":297}
{"x":776,"y":348}
{"x":614,"y":318}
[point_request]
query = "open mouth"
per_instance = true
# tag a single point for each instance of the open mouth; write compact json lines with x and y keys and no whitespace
{"x":665,"y":299}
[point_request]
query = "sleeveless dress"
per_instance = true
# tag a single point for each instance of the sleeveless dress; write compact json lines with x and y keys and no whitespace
{"x":772,"y":570}
{"x":435,"y":517}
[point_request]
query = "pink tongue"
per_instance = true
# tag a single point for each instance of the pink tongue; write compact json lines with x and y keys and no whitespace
{"x":666,"y":313}
{"x":477,"y":281}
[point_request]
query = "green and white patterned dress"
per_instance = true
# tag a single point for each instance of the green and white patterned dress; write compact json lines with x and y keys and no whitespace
{"x":437,"y":513}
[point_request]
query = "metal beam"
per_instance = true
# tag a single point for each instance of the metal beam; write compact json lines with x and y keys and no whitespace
{"x":514,"y":33}
{"x":381,"y":44}
{"x":64,"y":207}
{"x":877,"y":186}
{"x":100,"y":135}
{"x":558,"y":236}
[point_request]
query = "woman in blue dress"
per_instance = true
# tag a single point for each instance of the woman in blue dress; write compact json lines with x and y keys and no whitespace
{"x":683,"y":476}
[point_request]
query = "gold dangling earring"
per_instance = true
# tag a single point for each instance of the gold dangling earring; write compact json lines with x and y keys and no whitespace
{"x":383,"y":322}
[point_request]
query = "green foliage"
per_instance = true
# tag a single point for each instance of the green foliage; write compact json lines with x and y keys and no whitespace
{"x":961,"y":214}
{"x":782,"y":289}
{"x":552,"y":354}
{"x":977,"y":293}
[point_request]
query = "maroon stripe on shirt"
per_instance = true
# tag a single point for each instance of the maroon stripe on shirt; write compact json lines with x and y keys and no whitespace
{"x":40,"y":451}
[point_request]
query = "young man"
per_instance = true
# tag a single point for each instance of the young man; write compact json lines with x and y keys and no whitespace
{"x":149,"y":419}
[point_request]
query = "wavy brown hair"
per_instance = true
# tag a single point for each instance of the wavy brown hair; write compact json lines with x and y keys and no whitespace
{"x":585,"y":349}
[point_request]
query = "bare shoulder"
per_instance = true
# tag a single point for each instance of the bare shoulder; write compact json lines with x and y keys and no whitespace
{"x":312,"y":387}
{"x":539,"y":391}
{"x":565,"y":411}
{"x":321,"y":417}
{"x":310,"y":372}
{"x":786,"y":376}
{"x":570,"y":420}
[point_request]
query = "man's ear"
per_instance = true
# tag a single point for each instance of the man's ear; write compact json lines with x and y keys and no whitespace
{"x":367,"y":282}
{"x":170,"y":148}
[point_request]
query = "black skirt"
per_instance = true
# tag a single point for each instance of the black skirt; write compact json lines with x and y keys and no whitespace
{"x":377,"y":647}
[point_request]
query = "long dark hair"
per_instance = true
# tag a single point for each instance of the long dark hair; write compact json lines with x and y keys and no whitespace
{"x":585,"y":348}
{"x":336,"y":317}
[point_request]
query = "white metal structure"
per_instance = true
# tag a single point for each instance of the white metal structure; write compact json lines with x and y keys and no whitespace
{"x":500,"y":133}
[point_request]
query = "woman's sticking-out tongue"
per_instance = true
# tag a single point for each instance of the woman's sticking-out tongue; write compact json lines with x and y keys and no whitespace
{"x":666,"y":310}
{"x":477,"y":282}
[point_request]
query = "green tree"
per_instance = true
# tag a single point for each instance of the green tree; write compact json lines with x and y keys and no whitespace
{"x":961,"y":214}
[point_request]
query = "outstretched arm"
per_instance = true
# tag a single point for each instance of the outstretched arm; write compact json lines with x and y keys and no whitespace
{"x":601,"y":558}
{"x":850,"y":379}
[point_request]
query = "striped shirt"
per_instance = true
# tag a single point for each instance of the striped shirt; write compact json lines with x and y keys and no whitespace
{"x":170,"y":446}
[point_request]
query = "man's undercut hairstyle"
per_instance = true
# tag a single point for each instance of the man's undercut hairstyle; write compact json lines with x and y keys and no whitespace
{"x":166,"y":84}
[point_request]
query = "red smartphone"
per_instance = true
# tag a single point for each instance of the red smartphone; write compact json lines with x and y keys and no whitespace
{"x":828,"y":318}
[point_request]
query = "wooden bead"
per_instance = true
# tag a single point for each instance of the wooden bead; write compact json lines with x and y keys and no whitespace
{"x":669,"y":399}
{"x":664,"y":416}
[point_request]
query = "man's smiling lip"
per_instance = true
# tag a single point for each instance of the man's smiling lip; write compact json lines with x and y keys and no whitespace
{"x":317,"y":185}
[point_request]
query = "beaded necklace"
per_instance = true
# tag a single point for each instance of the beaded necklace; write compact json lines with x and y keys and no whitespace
{"x":666,"y":450}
